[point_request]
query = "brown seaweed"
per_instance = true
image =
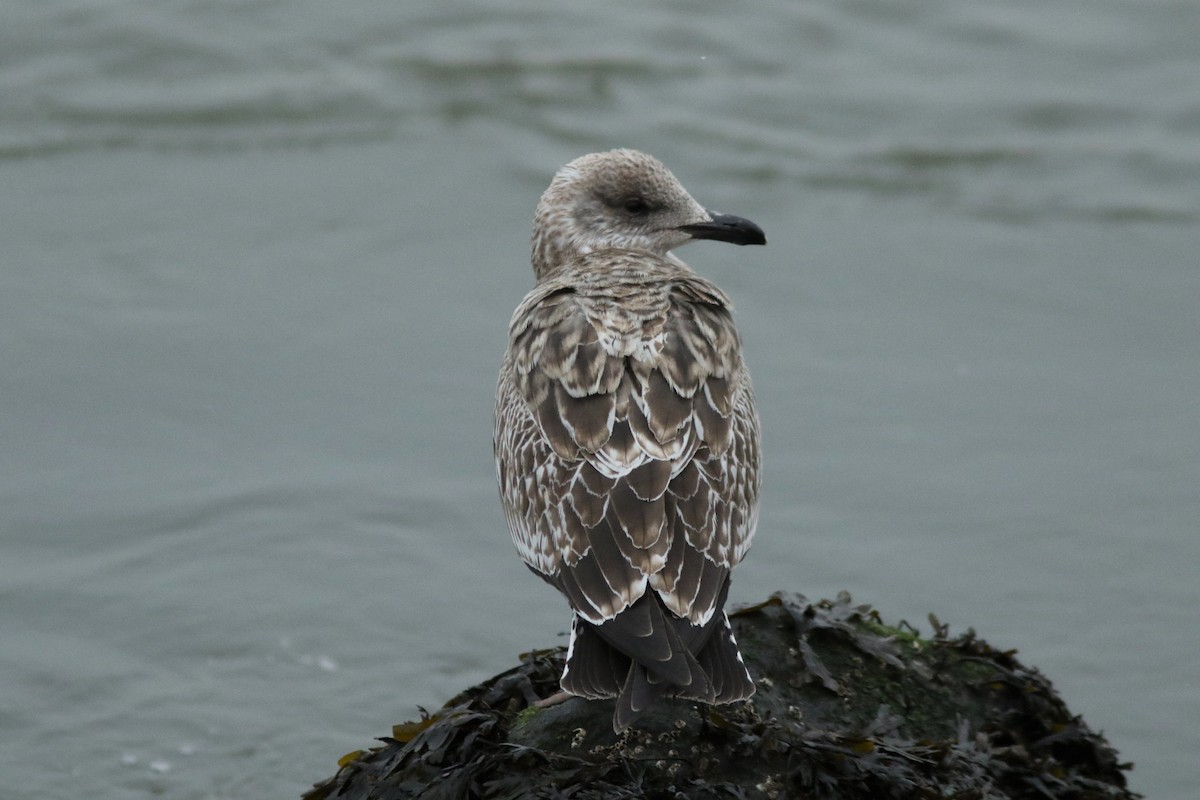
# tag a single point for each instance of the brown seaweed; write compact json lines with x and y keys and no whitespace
{"x":848,"y":708}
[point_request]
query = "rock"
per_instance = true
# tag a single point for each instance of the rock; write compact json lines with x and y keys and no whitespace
{"x":846,"y":708}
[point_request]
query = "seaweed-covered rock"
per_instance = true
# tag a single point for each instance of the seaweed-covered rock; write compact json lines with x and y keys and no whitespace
{"x":846,"y":708}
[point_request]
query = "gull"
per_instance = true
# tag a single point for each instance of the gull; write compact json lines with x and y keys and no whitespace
{"x":626,"y":437}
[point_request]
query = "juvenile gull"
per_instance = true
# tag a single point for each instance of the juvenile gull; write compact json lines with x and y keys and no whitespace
{"x":626,"y":437}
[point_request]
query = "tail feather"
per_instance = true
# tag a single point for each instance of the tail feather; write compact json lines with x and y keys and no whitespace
{"x":646,"y":653}
{"x":595,"y":669}
{"x":643,"y":633}
{"x":722,"y":662}
{"x":636,"y":696}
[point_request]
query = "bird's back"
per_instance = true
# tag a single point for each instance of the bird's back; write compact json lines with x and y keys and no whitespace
{"x":627,"y":454}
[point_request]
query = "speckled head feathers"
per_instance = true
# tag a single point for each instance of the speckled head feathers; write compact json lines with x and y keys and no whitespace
{"x":621,"y":199}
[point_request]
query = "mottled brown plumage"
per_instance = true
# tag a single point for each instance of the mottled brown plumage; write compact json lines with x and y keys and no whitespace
{"x":627,"y":443}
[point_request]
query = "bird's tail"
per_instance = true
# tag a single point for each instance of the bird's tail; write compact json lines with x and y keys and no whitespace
{"x":668,"y":657}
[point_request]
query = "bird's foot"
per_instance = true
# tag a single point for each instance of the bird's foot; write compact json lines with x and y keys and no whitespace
{"x":554,"y":699}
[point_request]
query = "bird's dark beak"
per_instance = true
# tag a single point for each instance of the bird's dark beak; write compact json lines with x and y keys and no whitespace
{"x":727,"y":228}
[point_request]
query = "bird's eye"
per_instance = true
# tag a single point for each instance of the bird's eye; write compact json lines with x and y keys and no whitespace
{"x":635,"y":205}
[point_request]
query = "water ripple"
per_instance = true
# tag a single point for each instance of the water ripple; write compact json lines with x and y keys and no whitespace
{"x":982,"y":106}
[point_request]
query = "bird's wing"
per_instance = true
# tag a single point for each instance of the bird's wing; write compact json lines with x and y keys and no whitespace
{"x":627,"y":444}
{"x":712,"y":498}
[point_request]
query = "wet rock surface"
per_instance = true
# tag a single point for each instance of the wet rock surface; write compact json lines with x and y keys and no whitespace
{"x":847,"y":707}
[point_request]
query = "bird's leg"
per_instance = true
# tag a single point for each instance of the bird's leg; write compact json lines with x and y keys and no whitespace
{"x":558,"y":697}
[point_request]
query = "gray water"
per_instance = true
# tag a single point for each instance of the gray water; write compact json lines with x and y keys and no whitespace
{"x":257,"y":263}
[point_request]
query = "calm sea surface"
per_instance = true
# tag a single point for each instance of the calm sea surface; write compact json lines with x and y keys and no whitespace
{"x":256,"y":264}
